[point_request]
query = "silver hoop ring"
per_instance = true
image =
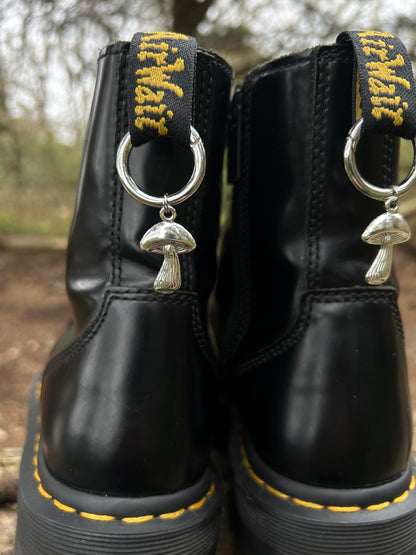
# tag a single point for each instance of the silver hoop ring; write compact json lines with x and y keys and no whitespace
{"x":362,"y":184}
{"x":132,"y":188}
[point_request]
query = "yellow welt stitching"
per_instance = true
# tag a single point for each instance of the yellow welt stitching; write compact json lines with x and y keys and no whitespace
{"x":43,"y":492}
{"x":401,"y":498}
{"x":108,"y":518}
{"x":307,"y":504}
{"x":276,"y":492}
{"x":137,"y":519}
{"x":211,"y":490}
{"x":254,"y":477}
{"x":378,"y":507}
{"x":91,"y":516}
{"x":175,"y":514}
{"x":317,"y":506}
{"x":336,"y":509}
{"x":196,"y":506}
{"x":63,"y":507}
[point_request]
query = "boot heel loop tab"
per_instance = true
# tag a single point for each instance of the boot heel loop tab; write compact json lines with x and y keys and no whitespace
{"x":384,"y":88}
{"x":160,"y":86}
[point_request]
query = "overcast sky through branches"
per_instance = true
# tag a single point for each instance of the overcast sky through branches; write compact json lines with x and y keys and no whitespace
{"x":48,"y":49}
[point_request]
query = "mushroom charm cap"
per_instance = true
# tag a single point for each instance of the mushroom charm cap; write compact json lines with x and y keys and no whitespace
{"x":167,"y":233}
{"x":388,"y":226}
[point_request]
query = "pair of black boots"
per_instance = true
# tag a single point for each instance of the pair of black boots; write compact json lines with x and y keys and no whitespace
{"x":313,"y":381}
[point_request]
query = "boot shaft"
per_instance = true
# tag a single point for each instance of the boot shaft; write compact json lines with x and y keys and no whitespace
{"x":108,"y":224}
{"x":313,"y":352}
{"x":127,"y":398}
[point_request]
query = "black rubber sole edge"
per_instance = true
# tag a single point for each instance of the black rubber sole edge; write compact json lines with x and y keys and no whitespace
{"x":272,"y":522}
{"x":49,"y":526}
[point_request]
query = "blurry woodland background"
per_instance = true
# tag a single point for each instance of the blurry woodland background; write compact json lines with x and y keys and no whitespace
{"x":48,"y":52}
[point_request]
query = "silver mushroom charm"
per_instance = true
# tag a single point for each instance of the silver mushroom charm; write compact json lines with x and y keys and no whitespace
{"x":170,"y":239}
{"x":386,"y":230}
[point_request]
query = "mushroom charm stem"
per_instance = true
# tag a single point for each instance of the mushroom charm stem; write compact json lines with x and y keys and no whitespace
{"x":169,"y":278}
{"x":170,"y":239}
{"x":386,"y":230}
{"x":380,"y":269}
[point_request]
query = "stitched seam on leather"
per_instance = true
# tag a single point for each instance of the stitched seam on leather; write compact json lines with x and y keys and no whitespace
{"x":210,"y":58}
{"x":115,"y":198}
{"x":118,"y":186}
{"x":197,"y":326}
{"x":203,"y":106}
{"x":387,"y":161}
{"x":121,"y":50}
{"x":190,"y":204}
{"x":316,"y":506}
{"x":284,"y":343}
{"x":109,"y":518}
{"x":241,"y":270}
{"x":201,"y":334}
{"x":318,"y":171}
{"x":123,"y":295}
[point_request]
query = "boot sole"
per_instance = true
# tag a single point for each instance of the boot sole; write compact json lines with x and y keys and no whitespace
{"x":272,"y":522}
{"x":54,"y":519}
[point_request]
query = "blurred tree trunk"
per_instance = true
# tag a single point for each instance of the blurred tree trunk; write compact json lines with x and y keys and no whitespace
{"x":187,"y":14}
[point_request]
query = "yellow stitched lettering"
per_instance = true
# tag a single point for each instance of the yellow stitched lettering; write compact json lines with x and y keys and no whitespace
{"x":140,"y":110}
{"x":382,"y":77}
{"x":160,"y":35}
{"x":161,"y":46}
{"x":159,"y":76}
{"x":145,"y":94}
{"x":384,"y":70}
{"x":358,"y":109}
{"x":150,"y":122}
{"x":377,"y":87}
{"x":154,"y":80}
{"x":380,"y":43}
{"x":379,"y":100}
{"x":396,"y":116}
{"x":364,"y":34}
{"x":159,"y":57}
{"x":381,"y":53}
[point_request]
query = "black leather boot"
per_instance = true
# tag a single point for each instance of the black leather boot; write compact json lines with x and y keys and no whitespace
{"x":314,"y":355}
{"x":117,"y":458}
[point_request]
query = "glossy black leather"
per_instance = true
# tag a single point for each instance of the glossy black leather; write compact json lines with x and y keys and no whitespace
{"x":127,"y":398}
{"x":315,"y":355}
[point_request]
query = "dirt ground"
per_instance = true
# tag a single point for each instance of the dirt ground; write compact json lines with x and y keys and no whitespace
{"x":34,"y":311}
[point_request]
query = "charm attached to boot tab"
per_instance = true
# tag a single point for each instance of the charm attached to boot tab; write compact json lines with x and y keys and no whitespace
{"x":384,"y":99}
{"x":166,"y":237}
{"x":390,"y":228}
{"x":160,"y":82}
